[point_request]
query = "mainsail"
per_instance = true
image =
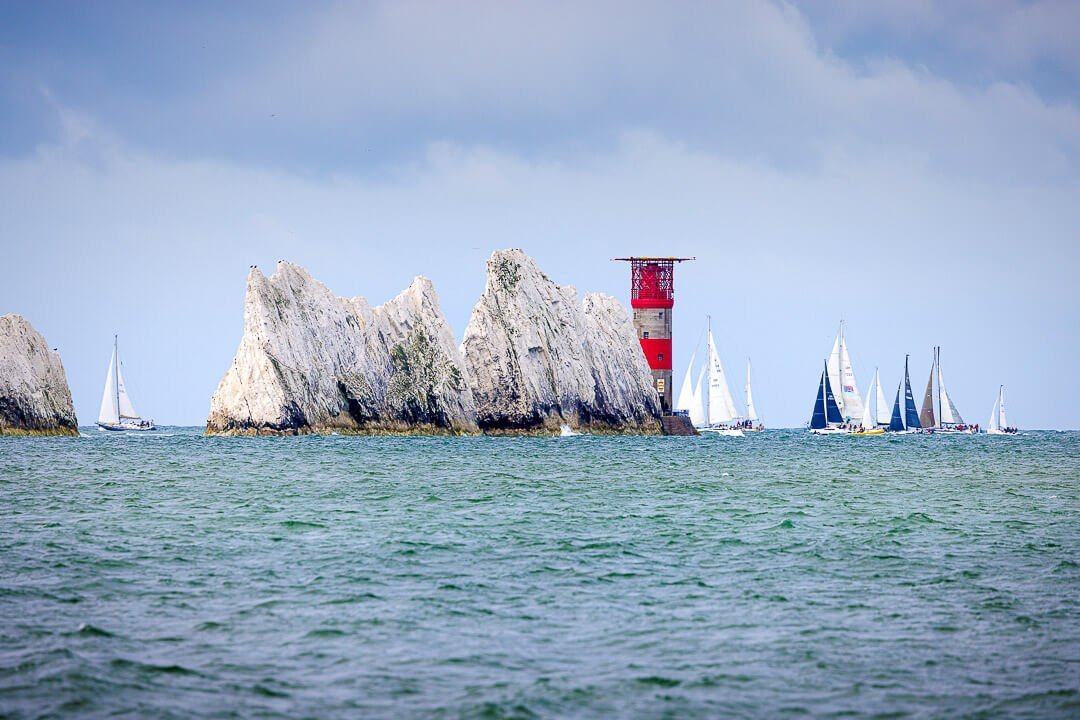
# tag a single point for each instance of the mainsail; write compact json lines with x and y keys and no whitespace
{"x":998,"y":423}
{"x":849,"y":389}
{"x":882,"y":404}
{"x":751,"y":412}
{"x":833,"y":367}
{"x":110,"y":408}
{"x":911,"y":415}
{"x":993,"y":426}
{"x":926,"y":415}
{"x":721,"y":405}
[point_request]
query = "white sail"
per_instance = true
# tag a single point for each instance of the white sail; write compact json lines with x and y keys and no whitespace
{"x":697,"y":401}
{"x":751,"y":412}
{"x":949,"y":413}
{"x":833,"y":366}
{"x":994,"y":426}
{"x":686,"y":392}
{"x":884,"y":414}
{"x":1001,"y":408}
{"x":127,"y":410}
{"x":721,"y":405}
{"x":868,"y":422}
{"x":849,"y":389}
{"x":110,"y":412}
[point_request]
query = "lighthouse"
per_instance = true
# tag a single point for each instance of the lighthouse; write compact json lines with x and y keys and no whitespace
{"x":652,"y":297}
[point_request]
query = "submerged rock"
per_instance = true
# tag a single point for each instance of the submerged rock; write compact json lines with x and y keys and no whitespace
{"x":34,"y":394}
{"x":310,"y":361}
{"x":540,"y":359}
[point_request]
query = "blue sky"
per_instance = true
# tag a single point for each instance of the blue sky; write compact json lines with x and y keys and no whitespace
{"x":910,"y":167}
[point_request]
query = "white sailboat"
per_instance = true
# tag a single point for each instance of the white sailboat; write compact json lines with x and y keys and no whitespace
{"x":842,"y":379}
{"x":720,"y":406}
{"x":755,"y":424}
{"x":998,"y":425}
{"x":117,"y":412}
{"x":948,"y":419}
{"x":869,"y":423}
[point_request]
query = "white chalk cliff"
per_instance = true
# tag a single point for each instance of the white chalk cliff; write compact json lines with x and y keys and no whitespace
{"x":534,"y":358}
{"x":539,"y":358}
{"x":34,"y":394}
{"x":310,"y":361}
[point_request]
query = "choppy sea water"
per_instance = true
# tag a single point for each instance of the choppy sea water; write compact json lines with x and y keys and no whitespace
{"x":173,"y":575}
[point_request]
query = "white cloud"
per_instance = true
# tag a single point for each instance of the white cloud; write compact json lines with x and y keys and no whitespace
{"x":811,"y":188}
{"x":112,"y":238}
{"x":747,"y":80}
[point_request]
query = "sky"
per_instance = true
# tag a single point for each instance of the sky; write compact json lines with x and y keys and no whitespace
{"x":911,"y":168}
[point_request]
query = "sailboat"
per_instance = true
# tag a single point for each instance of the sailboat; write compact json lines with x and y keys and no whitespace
{"x":753,"y":422}
{"x":842,"y":379}
{"x":686,"y":391}
{"x":904,"y":420}
{"x":826,"y":419}
{"x":720,"y":410}
{"x":998,"y":425}
{"x":948,"y":418}
{"x":117,"y":412}
{"x":871,"y":423}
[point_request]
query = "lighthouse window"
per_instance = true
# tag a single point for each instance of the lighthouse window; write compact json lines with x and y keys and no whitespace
{"x":645,"y":334}
{"x":660,"y":314}
{"x":660,"y":356}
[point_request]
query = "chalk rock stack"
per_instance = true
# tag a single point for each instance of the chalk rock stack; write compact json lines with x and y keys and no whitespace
{"x":534,"y":358}
{"x":34,"y":394}
{"x":539,"y":358}
{"x":310,"y":361}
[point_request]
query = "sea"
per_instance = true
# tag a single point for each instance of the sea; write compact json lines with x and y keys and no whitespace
{"x":171,"y":575}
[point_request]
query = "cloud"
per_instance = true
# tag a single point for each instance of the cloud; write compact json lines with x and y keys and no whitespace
{"x":365,"y":88}
{"x":109,"y":237}
{"x":1027,"y":42}
{"x":811,"y":186}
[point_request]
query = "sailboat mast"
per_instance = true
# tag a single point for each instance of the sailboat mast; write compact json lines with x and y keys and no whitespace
{"x":937,"y":367}
{"x":707,"y":401}
{"x":1001,"y":401}
{"x":907,"y":389}
{"x":116,"y":373}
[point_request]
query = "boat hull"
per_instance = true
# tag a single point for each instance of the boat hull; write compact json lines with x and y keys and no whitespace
{"x":864,"y":433}
{"x":723,"y":432}
{"x":828,"y":431}
{"x":124,"y":427}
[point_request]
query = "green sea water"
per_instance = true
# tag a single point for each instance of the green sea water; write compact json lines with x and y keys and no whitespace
{"x":778,"y":575}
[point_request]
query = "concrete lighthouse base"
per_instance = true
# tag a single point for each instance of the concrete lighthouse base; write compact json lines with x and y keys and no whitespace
{"x":677,"y":425}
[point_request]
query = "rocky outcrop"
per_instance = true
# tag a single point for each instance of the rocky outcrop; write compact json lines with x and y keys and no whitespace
{"x":534,"y":358}
{"x":310,"y":361}
{"x":539,"y":358}
{"x":34,"y":394}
